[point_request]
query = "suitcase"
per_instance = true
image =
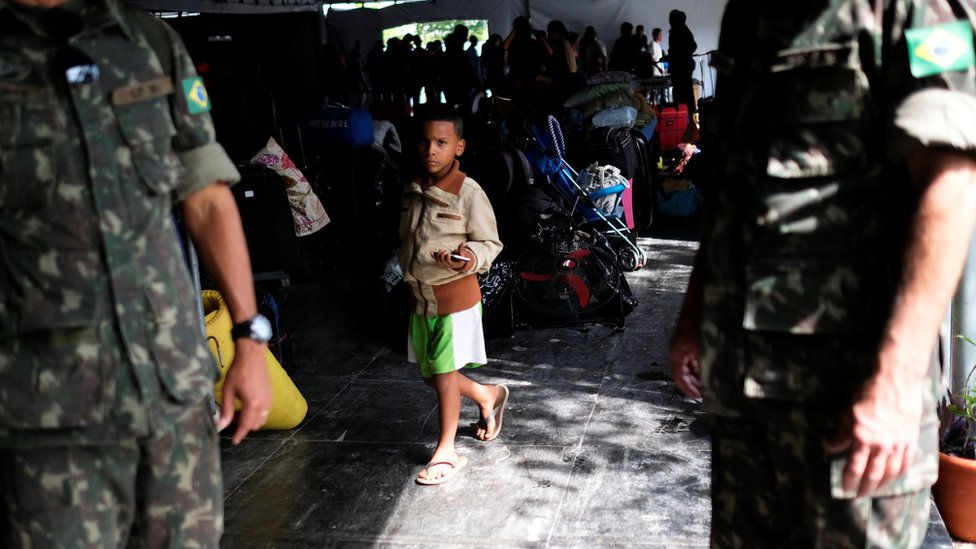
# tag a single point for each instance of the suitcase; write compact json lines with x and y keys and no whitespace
{"x":360,"y":187}
{"x":337,"y":125}
{"x":681,"y":202}
{"x":671,"y":124}
{"x":268,"y":224}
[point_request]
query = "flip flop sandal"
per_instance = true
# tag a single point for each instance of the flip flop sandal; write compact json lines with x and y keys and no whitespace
{"x":498,"y":413}
{"x":455,"y":467}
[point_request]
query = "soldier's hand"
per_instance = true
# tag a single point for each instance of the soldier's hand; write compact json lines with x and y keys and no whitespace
{"x":684,"y":354}
{"x":880,"y":434}
{"x":246,"y":381}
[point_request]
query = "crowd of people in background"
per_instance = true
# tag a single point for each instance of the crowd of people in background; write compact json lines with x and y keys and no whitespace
{"x":453,"y":69}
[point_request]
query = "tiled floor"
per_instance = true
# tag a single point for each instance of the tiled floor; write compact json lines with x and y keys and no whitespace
{"x":598,"y":449}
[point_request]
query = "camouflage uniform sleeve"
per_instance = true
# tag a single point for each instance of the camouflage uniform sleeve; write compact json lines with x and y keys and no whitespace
{"x":195,"y":143}
{"x":937,"y":107}
{"x":938,"y":118}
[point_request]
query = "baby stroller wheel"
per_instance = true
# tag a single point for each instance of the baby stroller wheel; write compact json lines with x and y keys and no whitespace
{"x":629,"y":259}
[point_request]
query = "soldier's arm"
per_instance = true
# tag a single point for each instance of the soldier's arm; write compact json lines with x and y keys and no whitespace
{"x":214,"y":225}
{"x":685,"y":349}
{"x":933,"y":131}
{"x":885,"y":420}
{"x":210,"y":216}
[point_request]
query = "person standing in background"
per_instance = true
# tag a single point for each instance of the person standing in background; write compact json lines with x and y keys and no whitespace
{"x":593,"y":52}
{"x":681,"y":61}
{"x":640,"y":40}
{"x":493,"y":63}
{"x":563,"y":60}
{"x":657,"y":54}
{"x":622,"y":55}
{"x":526,"y":54}
{"x":475,"y":61}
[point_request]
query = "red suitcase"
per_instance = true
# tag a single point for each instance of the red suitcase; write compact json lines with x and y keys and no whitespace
{"x":672,"y":121}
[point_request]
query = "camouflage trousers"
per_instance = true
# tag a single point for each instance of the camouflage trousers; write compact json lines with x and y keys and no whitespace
{"x":161,"y":492}
{"x":771,"y":490}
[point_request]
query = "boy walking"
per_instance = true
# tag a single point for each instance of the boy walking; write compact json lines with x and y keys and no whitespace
{"x":448,"y":236}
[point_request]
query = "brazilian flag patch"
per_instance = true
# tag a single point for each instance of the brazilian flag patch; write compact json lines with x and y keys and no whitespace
{"x":939,"y":49}
{"x":197,"y":98}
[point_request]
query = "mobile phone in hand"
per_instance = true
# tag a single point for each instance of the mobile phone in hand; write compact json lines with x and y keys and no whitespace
{"x":457,"y":257}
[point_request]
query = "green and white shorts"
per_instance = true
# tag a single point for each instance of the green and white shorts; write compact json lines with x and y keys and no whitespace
{"x":443,"y":344}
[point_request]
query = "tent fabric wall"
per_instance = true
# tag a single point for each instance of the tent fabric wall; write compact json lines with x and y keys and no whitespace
{"x":704,"y":18}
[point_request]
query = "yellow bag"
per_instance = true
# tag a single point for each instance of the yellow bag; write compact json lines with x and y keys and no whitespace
{"x":288,"y":406}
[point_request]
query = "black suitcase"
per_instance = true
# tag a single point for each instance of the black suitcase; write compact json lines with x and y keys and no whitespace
{"x":360,"y":188}
{"x":268,"y":223}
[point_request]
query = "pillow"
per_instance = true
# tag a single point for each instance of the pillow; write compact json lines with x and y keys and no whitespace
{"x":593,"y":93}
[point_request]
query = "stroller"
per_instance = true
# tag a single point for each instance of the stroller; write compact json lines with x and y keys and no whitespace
{"x":598,"y":205}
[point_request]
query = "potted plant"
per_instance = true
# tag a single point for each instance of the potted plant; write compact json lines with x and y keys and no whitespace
{"x":955,"y":491}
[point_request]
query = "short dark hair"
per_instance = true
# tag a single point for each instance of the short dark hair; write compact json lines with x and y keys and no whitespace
{"x":439,"y":112}
{"x":677,"y":18}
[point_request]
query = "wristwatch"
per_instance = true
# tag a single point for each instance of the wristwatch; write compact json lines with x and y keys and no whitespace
{"x":257,"y":328}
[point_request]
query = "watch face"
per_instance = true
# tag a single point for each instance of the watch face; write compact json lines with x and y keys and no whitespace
{"x":261,"y":328}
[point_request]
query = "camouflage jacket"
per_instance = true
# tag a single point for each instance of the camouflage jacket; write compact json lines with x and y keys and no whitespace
{"x":99,"y":329}
{"x":816,"y":105}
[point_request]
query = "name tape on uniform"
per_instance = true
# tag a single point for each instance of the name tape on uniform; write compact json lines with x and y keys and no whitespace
{"x":142,"y":91}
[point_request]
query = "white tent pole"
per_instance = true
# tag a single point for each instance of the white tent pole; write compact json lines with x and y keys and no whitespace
{"x":962,"y":315}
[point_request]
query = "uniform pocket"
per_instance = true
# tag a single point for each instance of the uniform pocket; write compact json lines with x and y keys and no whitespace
{"x":817,"y":112}
{"x":818,"y":84}
{"x":53,"y":353}
{"x":27,"y":177}
{"x":183,"y":361}
{"x":48,"y":301}
{"x":54,"y":379}
{"x":28,"y":164}
{"x":803,"y":296}
{"x":149,"y":131}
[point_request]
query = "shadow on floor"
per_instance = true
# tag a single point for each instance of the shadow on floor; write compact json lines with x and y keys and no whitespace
{"x":598,"y":449}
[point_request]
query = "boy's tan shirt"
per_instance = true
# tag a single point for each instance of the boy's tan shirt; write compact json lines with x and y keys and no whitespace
{"x":446,"y":215}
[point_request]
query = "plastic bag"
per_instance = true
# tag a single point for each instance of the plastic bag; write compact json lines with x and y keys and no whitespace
{"x":615,"y":117}
{"x":307,"y":211}
{"x":596,"y":177}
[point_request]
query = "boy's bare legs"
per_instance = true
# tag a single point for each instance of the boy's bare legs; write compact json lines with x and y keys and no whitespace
{"x":485,"y":396}
{"x":448,"y":410}
{"x":450,"y":387}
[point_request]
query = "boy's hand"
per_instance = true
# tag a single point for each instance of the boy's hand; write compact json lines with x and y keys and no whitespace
{"x":454,"y":263}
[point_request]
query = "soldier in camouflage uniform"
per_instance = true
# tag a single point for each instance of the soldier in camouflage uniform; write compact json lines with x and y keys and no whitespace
{"x":105,"y":439}
{"x":843,"y":205}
